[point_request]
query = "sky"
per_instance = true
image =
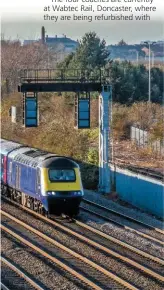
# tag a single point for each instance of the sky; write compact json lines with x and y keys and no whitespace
{"x":23,"y":20}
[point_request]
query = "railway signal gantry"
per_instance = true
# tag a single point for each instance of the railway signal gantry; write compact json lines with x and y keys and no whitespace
{"x":82,"y":82}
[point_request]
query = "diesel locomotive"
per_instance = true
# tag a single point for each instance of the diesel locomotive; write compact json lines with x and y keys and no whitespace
{"x":45,"y":182}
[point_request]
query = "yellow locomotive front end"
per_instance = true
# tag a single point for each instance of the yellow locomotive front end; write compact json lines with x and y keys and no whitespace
{"x":61,"y":185}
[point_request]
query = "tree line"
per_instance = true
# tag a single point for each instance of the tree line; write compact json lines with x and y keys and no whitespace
{"x":129,"y":81}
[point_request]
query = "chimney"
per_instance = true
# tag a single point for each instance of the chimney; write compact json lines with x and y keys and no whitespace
{"x":43,"y":35}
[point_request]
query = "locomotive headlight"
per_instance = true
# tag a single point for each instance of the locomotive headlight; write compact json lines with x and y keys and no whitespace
{"x":51,"y":193}
{"x":77,"y":192}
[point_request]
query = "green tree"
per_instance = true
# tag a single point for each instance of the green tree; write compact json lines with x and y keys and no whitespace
{"x":90,"y":54}
{"x":130,"y":82}
{"x":122,"y":42}
{"x":156,"y":85}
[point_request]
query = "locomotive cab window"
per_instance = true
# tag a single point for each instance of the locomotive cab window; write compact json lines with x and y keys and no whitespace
{"x":62,"y":175}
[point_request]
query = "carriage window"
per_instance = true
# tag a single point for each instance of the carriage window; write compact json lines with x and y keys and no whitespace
{"x":62,"y":175}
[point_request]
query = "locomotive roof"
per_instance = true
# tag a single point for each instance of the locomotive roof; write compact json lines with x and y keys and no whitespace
{"x":34,"y":157}
{"x":59,"y":162}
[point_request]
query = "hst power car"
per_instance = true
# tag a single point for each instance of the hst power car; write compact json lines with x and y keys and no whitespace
{"x":40,"y":180}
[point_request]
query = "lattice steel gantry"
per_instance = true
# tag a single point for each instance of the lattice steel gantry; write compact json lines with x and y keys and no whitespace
{"x":105,"y":113}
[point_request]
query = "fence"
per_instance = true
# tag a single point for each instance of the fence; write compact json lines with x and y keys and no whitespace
{"x":142,"y":139}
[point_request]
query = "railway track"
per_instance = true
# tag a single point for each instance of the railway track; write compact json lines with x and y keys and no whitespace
{"x":102,"y":246}
{"x":3,"y":286}
{"x":143,"y":229}
{"x":100,"y":274}
{"x":14,"y":278}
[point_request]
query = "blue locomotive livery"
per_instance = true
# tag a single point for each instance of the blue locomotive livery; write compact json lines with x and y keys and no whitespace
{"x":45,"y":182}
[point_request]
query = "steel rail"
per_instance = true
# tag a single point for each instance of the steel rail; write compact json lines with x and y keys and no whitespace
{"x":102,"y":234}
{"x":123,"y":215}
{"x":125,"y":227}
{"x":120,"y":243}
{"x":21,"y":274}
{"x":53,"y":259}
{"x":3,"y":286}
{"x":92,"y":229}
{"x":104,"y":249}
{"x":73,"y":253}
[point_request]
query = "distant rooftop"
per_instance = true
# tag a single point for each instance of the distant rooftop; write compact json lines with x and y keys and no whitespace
{"x":29,"y":41}
{"x":60,"y":39}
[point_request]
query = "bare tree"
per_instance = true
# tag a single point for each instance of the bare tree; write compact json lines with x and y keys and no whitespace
{"x":15,"y":58}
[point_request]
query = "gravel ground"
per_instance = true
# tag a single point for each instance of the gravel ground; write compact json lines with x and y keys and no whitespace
{"x":117,"y":267}
{"x":123,"y":235}
{"x":123,"y":221}
{"x":46,"y":273}
{"x":12,"y":280}
{"x":130,"y":211}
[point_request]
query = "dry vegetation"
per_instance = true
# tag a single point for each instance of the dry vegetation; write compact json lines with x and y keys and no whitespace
{"x":146,"y":116}
{"x":16,"y":58}
{"x":56,"y":132}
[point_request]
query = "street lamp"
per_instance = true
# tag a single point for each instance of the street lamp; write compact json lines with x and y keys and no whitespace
{"x":149,"y":43}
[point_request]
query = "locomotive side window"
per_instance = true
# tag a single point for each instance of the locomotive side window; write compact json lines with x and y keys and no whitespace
{"x":62,"y":175}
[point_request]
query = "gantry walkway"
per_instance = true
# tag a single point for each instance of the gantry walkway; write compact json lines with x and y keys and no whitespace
{"x":61,"y":80}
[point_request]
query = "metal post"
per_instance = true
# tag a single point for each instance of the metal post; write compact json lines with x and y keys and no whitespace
{"x":149,"y":75}
{"x":149,"y":43}
{"x":104,"y":131}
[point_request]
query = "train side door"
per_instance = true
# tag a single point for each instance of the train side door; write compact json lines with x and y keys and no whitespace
{"x":4,"y":169}
{"x":17,"y":177}
{"x":38,"y":182}
{"x":10,"y":172}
